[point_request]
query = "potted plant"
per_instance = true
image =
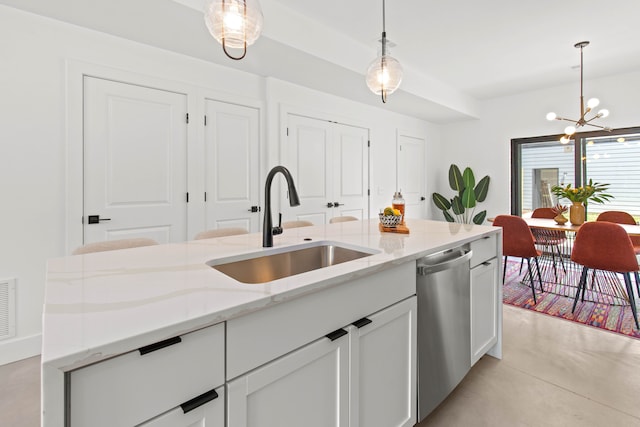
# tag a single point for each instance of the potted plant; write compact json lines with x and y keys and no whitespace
{"x":580,"y":197}
{"x":461,"y":208}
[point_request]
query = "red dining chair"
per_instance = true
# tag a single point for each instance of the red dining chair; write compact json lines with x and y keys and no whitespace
{"x":517,"y":241}
{"x":551,"y":238}
{"x":603,"y":245}
{"x":620,"y":217}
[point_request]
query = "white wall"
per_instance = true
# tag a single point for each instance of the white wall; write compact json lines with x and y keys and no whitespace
{"x":33,"y":139}
{"x":484,"y":144}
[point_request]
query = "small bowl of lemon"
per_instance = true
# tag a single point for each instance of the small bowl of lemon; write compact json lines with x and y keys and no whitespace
{"x":390,"y":217}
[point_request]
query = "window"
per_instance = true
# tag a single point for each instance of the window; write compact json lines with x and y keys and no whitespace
{"x":539,"y":163}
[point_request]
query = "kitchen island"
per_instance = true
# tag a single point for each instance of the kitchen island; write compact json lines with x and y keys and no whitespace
{"x":155,"y":336}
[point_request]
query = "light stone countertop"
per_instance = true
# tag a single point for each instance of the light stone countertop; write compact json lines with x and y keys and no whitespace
{"x":103,"y":304}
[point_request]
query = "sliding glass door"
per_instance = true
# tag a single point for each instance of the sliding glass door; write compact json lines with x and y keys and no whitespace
{"x":537,"y":164}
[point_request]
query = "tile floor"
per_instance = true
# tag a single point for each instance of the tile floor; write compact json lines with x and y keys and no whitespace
{"x":554,"y":373}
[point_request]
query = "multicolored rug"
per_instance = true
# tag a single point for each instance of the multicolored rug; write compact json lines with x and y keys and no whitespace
{"x":613,"y":318}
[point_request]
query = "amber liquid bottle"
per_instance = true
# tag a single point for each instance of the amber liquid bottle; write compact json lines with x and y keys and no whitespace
{"x":398,"y":203}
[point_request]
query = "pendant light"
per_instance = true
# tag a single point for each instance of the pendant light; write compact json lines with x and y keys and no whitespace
{"x":591,"y":104}
{"x":235,"y":24}
{"x":385,"y":72}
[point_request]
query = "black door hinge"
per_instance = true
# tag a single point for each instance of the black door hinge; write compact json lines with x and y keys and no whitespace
{"x":187,"y":118}
{"x":187,"y":197}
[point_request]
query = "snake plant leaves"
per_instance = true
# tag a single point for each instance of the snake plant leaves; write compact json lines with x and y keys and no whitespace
{"x":448,"y":216}
{"x":482,"y":189}
{"x":455,"y":179}
{"x":468,"y":178}
{"x":469,"y":198}
{"x":441,"y":202}
{"x":457,"y":206}
{"x":480,"y":217}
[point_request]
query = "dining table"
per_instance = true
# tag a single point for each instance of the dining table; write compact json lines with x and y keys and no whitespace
{"x":603,"y":287}
{"x":551,"y":224}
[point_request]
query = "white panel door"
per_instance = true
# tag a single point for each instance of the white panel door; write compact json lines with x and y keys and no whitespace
{"x":350,"y":171}
{"x":308,"y":387}
{"x":135,"y":176}
{"x":330,"y":166}
{"x":308,"y":156}
{"x":232,"y":144}
{"x":411,"y":175}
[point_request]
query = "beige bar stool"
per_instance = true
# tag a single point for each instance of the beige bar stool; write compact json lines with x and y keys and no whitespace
{"x":344,"y":218}
{"x":221,"y":232}
{"x":296,"y":224}
{"x":112,"y":245}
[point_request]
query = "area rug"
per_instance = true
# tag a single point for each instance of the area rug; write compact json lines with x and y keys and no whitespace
{"x":613,"y":318}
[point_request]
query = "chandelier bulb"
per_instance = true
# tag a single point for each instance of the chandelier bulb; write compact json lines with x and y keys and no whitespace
{"x":570,"y":130}
{"x":564,"y":140}
{"x":603,"y":113}
{"x":552,"y":116}
{"x":593,"y":103}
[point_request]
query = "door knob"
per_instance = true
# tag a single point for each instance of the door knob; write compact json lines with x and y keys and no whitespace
{"x":254,"y":209}
{"x":422,"y":198}
{"x":94,"y":219}
{"x":336,"y":204}
{"x":329,"y":205}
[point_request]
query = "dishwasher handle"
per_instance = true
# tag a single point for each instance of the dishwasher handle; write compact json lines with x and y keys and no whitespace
{"x":424,"y":269}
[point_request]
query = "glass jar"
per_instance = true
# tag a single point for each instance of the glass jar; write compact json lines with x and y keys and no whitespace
{"x":398,"y":203}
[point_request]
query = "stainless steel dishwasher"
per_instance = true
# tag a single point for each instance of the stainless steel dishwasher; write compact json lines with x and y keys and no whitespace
{"x":444,"y":325}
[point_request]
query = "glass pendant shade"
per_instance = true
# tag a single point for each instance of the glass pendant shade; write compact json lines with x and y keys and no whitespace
{"x":384,"y":75}
{"x":234,"y":23}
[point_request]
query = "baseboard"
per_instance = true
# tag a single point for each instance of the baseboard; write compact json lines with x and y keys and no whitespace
{"x":20,"y":348}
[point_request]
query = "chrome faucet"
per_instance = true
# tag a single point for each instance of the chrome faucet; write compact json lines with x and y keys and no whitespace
{"x":268,"y":230}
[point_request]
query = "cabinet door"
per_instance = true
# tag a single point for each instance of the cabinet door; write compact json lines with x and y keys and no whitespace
{"x":383,"y":367}
{"x":308,"y":387}
{"x":484,"y":308}
{"x":209,"y":413}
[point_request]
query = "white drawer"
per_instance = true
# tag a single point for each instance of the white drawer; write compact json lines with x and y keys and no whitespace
{"x":257,"y":338}
{"x":483,"y":249}
{"x":131,"y":388}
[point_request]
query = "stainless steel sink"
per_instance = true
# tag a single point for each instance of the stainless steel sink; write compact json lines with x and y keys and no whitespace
{"x":262,"y":268}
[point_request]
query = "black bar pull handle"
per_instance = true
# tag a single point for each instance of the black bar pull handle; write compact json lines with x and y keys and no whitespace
{"x":159,"y":345}
{"x":192,"y":404}
{"x":336,"y":334}
{"x":362,"y":322}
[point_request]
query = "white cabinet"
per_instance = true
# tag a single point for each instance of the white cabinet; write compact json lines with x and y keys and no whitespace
{"x":360,"y":375}
{"x":486,"y":299}
{"x":308,"y":387}
{"x":205,"y":410}
{"x":383,"y":367}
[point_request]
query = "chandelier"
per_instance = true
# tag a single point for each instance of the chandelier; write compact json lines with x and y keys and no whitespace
{"x":591,"y":104}
{"x":235,"y":24}
{"x":385,"y":72}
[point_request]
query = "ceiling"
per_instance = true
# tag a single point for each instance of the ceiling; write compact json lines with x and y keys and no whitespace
{"x":455,"y":53}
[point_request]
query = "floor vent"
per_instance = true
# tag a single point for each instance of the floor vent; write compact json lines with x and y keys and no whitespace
{"x":7,"y":308}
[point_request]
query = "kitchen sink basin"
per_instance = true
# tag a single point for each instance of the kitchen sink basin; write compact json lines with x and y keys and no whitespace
{"x":262,"y":268}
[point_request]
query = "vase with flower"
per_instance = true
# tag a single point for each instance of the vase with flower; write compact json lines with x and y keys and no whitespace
{"x":559,"y":210}
{"x":580,"y":197}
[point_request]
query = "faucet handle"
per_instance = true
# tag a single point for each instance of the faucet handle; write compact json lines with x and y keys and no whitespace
{"x":278,"y":229}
